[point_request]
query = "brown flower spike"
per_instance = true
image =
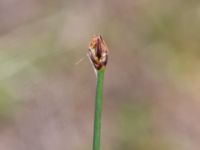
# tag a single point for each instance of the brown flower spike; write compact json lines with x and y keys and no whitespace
{"x":98,"y":52}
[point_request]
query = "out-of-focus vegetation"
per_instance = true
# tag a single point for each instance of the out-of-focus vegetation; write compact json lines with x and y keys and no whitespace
{"x":151,"y":97}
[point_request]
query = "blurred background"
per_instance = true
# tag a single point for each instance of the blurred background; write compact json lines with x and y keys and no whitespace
{"x":152,"y":82}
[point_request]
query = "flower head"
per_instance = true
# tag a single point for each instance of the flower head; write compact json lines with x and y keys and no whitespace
{"x":98,"y":52}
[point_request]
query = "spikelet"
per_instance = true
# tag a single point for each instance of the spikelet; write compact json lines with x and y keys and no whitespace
{"x":98,"y":52}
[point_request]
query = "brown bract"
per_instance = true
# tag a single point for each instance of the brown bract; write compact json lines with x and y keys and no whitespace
{"x":98,"y":52}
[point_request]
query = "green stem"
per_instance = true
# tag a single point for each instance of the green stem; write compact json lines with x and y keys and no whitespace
{"x":98,"y":110}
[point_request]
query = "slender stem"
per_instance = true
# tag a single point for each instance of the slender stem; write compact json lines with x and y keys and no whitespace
{"x":98,"y":110}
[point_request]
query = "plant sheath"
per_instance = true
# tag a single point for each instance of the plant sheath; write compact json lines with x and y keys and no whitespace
{"x":98,"y":110}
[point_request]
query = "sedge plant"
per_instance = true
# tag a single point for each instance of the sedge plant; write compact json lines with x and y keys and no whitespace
{"x":98,"y":55}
